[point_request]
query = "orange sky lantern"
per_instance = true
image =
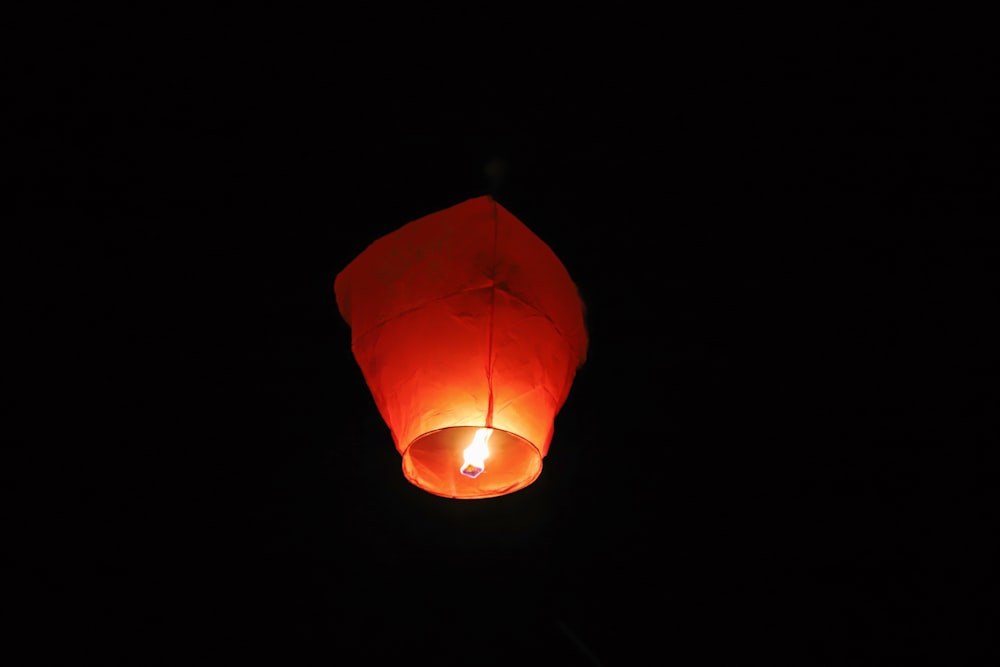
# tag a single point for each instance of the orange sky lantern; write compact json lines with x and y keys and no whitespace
{"x":469,"y":332}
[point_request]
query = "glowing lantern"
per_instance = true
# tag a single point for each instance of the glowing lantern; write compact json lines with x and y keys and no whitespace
{"x":469,"y":332}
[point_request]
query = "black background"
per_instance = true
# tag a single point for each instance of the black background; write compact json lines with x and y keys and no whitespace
{"x":781,"y":448}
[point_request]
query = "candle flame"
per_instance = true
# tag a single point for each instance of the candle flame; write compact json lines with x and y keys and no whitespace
{"x":475,"y":455}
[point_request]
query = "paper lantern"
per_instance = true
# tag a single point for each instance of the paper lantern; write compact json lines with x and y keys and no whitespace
{"x":469,"y":332}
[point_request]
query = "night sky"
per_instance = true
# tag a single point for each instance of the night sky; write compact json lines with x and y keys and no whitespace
{"x":781,"y":449}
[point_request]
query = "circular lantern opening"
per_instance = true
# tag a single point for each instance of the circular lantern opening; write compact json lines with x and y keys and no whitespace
{"x":435,"y":463}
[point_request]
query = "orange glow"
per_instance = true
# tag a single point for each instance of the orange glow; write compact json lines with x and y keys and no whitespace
{"x":464,"y":321}
{"x":474,"y":456}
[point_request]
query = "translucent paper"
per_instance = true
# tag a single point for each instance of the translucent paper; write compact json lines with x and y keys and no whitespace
{"x":461,"y":320}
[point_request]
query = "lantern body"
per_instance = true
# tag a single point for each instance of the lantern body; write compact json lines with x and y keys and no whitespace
{"x":463,"y":320}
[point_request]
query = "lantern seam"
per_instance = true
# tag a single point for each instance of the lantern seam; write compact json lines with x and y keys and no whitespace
{"x":491,"y":324}
{"x":466,"y":290}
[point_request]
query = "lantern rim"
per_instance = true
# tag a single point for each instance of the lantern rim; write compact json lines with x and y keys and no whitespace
{"x":432,"y":460}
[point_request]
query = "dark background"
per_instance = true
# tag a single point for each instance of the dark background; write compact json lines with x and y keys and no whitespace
{"x":782,"y":447}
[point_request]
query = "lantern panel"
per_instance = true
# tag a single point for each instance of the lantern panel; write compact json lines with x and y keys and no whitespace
{"x":528,"y":269}
{"x":427,"y":368}
{"x":426,"y":260}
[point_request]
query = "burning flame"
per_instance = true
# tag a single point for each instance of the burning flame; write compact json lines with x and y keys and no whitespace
{"x":475,"y":455}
